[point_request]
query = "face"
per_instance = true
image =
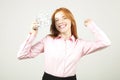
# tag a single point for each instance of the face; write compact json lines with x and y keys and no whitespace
{"x":62,"y":23}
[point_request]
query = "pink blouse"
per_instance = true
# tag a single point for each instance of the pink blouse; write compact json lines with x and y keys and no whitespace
{"x":62,"y":56}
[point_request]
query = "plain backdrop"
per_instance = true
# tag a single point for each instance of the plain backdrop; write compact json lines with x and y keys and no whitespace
{"x":16,"y":17}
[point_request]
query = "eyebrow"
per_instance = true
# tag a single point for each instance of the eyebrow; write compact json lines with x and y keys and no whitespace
{"x":62,"y":16}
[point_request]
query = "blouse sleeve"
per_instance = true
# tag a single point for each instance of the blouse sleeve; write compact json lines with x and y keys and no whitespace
{"x":101,"y":40}
{"x":27,"y":50}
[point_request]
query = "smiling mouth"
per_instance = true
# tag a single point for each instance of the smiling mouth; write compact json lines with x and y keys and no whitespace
{"x":62,"y":26}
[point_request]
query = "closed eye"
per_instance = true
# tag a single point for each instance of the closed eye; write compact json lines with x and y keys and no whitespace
{"x":64,"y":17}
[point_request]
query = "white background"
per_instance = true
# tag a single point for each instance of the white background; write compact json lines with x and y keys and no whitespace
{"x":16,"y":17}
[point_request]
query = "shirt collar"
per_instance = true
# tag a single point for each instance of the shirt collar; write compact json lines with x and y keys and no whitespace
{"x":72,"y":38}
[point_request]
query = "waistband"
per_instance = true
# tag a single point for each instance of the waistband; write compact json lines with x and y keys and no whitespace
{"x":47,"y":76}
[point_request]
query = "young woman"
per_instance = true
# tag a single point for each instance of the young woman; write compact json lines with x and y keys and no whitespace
{"x":62,"y":48}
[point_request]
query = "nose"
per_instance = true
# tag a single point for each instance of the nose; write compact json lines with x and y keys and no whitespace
{"x":61,"y":21}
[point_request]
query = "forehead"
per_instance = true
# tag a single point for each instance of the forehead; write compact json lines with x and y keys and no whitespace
{"x":60,"y":14}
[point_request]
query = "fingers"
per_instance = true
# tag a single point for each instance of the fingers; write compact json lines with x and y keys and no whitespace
{"x":87,"y":22}
{"x":35,"y":25}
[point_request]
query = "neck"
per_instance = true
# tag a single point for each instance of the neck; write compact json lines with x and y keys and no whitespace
{"x":66,"y":35}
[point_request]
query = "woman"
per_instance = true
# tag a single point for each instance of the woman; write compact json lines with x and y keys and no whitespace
{"x":62,"y":48}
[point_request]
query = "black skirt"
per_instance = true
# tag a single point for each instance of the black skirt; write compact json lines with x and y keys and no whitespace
{"x":47,"y":76}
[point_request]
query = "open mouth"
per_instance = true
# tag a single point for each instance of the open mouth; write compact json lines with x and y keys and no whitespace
{"x":62,"y":26}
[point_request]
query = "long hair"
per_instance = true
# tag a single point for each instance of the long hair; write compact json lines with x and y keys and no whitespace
{"x":69,"y":15}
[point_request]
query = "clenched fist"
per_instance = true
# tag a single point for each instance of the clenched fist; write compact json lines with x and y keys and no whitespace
{"x":87,"y":22}
{"x":34,"y":28}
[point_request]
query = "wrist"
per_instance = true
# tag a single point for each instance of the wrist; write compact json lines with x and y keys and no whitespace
{"x":87,"y":22}
{"x":34,"y":32}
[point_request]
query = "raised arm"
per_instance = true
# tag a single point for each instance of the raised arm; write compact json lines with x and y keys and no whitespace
{"x":101,"y":39}
{"x":27,"y":49}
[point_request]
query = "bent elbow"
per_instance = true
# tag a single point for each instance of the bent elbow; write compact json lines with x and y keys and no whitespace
{"x":23,"y":57}
{"x":107,"y":44}
{"x":20,"y":57}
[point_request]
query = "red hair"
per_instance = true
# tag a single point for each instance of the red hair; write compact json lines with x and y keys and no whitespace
{"x":69,"y":15}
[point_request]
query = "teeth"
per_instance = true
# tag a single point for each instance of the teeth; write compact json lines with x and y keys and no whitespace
{"x":62,"y":26}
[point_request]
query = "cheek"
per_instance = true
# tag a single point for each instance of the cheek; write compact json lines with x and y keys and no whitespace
{"x":56,"y":23}
{"x":56,"y":27}
{"x":69,"y":23}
